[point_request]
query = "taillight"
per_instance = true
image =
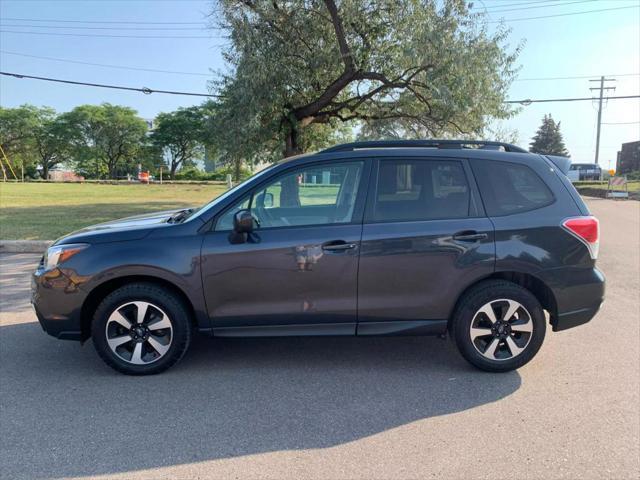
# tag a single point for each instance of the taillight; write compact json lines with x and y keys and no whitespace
{"x":587,"y":230}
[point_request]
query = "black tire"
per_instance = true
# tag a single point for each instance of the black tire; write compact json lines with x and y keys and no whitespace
{"x":479,"y":296}
{"x":164,"y":299}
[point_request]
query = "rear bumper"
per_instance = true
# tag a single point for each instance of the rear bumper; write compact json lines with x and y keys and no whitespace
{"x":573,"y":319}
{"x":579,"y":299}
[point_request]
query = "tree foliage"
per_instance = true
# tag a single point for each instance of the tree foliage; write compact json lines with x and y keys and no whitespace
{"x":300,"y":68}
{"x":180,"y":134}
{"x":106,"y":136}
{"x":548,"y":139}
{"x":52,"y":140}
{"x":16,"y":131}
{"x":34,"y":136}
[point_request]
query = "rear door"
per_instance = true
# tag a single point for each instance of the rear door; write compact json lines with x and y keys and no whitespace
{"x":425,"y":239}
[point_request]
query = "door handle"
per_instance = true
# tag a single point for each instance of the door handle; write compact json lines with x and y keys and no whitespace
{"x":469,"y":236}
{"x":338,"y":246}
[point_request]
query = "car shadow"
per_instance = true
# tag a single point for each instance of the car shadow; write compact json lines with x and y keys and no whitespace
{"x":65,"y":414}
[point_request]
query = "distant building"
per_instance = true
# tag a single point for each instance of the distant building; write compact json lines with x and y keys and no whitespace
{"x":63,"y":175}
{"x":628,"y":158}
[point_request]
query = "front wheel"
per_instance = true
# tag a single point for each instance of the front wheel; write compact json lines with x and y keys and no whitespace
{"x":499,"y":326}
{"x":141,"y":329}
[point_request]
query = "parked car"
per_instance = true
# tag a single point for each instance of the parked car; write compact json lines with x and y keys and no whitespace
{"x":488,"y":244}
{"x":585,"y":171}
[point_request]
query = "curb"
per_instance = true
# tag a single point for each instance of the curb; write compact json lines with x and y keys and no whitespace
{"x":24,"y":246}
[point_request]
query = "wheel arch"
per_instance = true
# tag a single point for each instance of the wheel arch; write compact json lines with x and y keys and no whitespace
{"x":537,"y":287}
{"x":98,"y":293}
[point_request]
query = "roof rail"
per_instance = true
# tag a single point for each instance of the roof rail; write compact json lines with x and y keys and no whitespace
{"x":457,"y":144}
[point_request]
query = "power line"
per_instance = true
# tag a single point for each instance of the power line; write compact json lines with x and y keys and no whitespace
{"x":75,"y":27}
{"x":509,"y":5}
{"x":203,"y":74}
{"x":521,"y":3}
{"x":546,"y":5}
{"x":209,"y":37}
{"x":507,"y":20}
{"x":529,"y":101}
{"x":145,"y":90}
{"x":620,"y":123}
{"x":106,"y":65}
{"x":580,"y":77}
{"x":492,"y":9}
{"x":108,"y":36}
{"x":130,"y":22}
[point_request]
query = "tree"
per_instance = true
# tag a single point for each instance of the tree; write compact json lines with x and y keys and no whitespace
{"x":299,"y":65}
{"x":107,"y":136}
{"x":16,"y":132}
{"x":179,"y":134}
{"x":52,"y":140}
{"x":548,"y":139}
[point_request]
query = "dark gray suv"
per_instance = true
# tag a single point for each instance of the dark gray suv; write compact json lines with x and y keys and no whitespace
{"x":479,"y":239}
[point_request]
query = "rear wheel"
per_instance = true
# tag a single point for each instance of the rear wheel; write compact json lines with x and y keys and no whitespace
{"x":141,"y":329}
{"x":499,"y":326}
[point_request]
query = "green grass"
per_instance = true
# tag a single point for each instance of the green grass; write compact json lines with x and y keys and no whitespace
{"x":46,"y":211}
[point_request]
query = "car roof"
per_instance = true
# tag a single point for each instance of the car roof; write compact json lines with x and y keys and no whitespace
{"x":418,"y":148}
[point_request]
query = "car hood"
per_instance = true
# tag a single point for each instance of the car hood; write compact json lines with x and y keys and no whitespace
{"x":129,"y":228}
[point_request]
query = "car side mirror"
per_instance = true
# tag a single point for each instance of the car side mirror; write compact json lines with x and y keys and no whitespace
{"x":243,"y":222}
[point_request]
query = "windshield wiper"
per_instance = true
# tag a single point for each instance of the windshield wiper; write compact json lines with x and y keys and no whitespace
{"x":181,"y":215}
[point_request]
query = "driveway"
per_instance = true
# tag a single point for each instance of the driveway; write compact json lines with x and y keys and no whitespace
{"x":331,"y":408}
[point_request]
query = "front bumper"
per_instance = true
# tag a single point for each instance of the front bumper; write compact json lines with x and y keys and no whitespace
{"x":57,"y":301}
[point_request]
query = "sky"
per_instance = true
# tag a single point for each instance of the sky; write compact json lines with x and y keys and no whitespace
{"x":583,"y":45}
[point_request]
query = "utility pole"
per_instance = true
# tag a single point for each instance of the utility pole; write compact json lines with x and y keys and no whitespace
{"x":601,"y":88}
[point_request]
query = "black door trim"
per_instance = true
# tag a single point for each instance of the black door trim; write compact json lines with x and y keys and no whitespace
{"x":297,"y":330}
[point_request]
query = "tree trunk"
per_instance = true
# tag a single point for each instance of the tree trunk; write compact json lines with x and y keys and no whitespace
{"x":174,"y":167}
{"x":45,"y":170}
{"x":289,"y":185}
{"x":291,"y":146}
{"x":111,"y":166}
{"x":237,"y":169}
{"x":290,"y":191}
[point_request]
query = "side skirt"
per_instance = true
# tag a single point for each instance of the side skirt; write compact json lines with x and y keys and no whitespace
{"x":403,"y":327}
{"x":308,"y":330}
{"x":390,"y":328}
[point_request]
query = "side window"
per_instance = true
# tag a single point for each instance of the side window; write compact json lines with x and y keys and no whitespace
{"x":508,"y":188}
{"x":312,"y":195}
{"x":225,"y":222}
{"x":409,"y":190}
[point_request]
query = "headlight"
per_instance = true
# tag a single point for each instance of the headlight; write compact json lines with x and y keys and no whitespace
{"x":61,"y":253}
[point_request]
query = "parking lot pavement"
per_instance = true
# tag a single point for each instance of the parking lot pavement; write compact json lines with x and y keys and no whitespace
{"x":331,"y":408}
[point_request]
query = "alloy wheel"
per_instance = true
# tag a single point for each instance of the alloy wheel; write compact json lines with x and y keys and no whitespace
{"x":139,"y":332}
{"x":501,"y":329}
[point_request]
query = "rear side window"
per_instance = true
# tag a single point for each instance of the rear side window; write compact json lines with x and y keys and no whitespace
{"x":508,"y":188}
{"x":413,"y":190}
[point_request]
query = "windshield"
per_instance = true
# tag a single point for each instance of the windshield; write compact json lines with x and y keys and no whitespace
{"x":198,"y":212}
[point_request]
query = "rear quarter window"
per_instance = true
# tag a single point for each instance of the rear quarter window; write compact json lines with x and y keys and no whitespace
{"x":508,"y":188}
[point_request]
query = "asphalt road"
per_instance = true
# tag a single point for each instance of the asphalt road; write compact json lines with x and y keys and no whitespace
{"x":331,"y":408}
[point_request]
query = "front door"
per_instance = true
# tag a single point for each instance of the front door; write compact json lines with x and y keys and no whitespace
{"x":424,"y":239}
{"x":297,"y":272}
